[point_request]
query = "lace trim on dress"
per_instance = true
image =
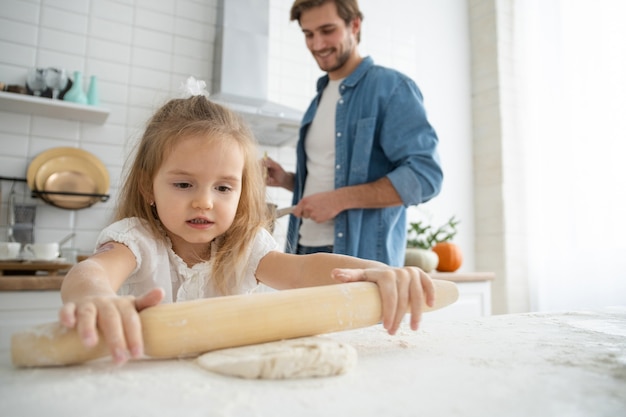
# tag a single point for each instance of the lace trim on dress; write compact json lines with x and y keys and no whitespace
{"x":191,"y":282}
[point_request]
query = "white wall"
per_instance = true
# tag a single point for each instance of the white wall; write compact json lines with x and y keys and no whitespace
{"x":574,"y":94}
{"x":142,"y":50}
{"x":430,"y":43}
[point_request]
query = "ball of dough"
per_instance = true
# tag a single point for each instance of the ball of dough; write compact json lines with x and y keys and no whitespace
{"x":293,"y":358}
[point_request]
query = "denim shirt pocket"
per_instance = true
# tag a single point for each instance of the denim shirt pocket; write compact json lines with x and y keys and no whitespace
{"x":362,"y":150}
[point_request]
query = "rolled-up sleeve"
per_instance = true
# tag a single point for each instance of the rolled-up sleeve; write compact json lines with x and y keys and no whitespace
{"x":410,"y":142}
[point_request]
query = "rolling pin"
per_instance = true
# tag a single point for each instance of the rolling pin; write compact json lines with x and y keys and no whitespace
{"x":193,"y":327}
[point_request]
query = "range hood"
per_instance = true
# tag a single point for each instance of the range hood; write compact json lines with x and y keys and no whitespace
{"x":240,"y":73}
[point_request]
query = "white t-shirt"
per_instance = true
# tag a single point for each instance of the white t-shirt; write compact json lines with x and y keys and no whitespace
{"x":159,"y":267}
{"x":320,"y":151}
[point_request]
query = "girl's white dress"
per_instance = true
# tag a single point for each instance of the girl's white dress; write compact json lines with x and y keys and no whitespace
{"x":159,"y":266}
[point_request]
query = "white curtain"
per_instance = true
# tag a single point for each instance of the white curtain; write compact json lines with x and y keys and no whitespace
{"x":572,"y":87}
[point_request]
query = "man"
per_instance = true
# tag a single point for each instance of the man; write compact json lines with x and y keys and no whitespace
{"x":366,"y":150}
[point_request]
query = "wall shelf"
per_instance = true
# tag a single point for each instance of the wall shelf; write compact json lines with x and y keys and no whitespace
{"x":38,"y":106}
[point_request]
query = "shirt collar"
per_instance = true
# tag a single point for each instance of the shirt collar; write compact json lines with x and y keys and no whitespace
{"x":352,"y":79}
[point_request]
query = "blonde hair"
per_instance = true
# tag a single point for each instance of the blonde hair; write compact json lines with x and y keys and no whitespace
{"x":180,"y":118}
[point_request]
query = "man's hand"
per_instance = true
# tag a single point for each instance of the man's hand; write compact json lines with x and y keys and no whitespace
{"x":318,"y":207}
{"x":276,"y":176}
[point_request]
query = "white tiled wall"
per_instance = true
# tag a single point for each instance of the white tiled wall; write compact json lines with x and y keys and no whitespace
{"x":141,"y":50}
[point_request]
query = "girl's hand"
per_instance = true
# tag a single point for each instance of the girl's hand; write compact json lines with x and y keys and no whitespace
{"x":115,"y":317}
{"x":401,"y":289}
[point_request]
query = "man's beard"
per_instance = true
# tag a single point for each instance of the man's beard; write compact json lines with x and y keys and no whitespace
{"x":340,"y":61}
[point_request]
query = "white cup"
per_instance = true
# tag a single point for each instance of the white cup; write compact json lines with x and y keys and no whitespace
{"x":42,"y":251}
{"x":69,"y":254}
{"x":9,"y":250}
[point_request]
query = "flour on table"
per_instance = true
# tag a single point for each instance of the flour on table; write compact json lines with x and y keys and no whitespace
{"x":294,"y":358}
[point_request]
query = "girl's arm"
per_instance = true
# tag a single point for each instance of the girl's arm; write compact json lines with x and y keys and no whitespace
{"x":401,"y":289}
{"x":99,"y":275}
{"x":91,"y":303}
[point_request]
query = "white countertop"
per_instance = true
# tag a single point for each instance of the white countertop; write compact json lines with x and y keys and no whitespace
{"x":559,"y":364}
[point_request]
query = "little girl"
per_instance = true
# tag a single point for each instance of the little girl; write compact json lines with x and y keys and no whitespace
{"x":191,"y":223}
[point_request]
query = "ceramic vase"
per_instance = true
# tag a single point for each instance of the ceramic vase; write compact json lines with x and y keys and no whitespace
{"x":76,"y":94}
{"x":93,"y":93}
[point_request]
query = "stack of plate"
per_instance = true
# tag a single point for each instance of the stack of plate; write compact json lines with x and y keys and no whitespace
{"x":68,"y":170}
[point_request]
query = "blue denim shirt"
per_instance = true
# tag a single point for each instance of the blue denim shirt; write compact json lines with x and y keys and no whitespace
{"x":380,"y":130}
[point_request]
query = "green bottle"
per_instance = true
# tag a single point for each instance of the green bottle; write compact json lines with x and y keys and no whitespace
{"x":76,"y":94}
{"x":93,"y":93}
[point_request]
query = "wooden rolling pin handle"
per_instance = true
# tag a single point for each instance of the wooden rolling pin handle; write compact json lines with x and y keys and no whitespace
{"x":193,"y":327}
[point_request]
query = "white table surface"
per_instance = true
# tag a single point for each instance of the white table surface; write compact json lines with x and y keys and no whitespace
{"x":558,"y":364}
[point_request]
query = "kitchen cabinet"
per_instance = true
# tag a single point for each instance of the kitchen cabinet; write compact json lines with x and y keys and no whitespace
{"x":38,"y":106}
{"x":474,"y":295}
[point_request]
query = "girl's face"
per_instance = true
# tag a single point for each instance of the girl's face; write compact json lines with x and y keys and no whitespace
{"x":196,"y":191}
